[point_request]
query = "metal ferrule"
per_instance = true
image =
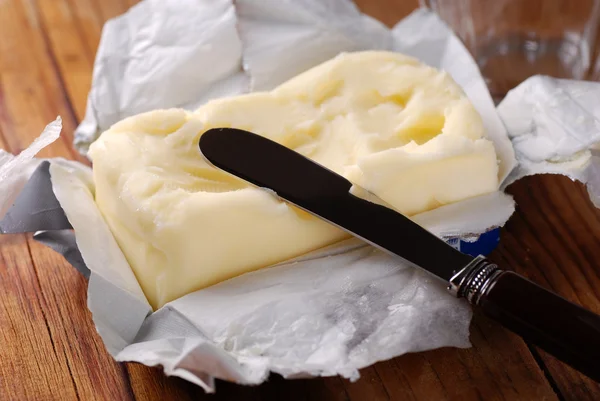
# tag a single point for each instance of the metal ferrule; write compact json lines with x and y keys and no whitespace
{"x":474,"y":279}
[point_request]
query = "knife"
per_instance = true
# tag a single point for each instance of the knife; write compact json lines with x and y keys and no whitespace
{"x":543,"y":318}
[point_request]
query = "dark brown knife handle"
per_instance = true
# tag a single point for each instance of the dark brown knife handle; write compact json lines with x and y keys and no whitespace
{"x":543,"y":318}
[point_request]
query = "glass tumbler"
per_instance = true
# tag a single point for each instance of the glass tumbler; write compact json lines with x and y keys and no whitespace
{"x":512,"y":40}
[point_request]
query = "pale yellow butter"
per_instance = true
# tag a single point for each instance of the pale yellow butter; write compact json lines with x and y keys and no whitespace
{"x":402,"y":130}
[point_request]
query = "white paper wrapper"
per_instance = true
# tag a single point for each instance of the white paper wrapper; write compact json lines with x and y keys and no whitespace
{"x":15,"y":170}
{"x":330,"y":312}
{"x":176,"y":53}
{"x":554,"y":125}
{"x":283,"y":38}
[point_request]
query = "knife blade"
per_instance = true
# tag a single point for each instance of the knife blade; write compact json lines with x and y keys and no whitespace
{"x":542,"y":317}
{"x":326,"y":194}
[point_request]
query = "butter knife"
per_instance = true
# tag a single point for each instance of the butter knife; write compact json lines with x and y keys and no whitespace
{"x":543,"y":318}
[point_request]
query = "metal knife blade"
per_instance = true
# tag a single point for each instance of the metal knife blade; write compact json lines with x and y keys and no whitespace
{"x":326,"y":194}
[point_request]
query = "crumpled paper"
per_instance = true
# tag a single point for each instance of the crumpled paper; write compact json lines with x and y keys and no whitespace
{"x":284,"y":38}
{"x":553,"y":125}
{"x":16,"y":170}
{"x":330,"y":312}
{"x":163,"y":54}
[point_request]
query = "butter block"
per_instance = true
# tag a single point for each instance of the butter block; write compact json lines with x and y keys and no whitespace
{"x":402,"y":130}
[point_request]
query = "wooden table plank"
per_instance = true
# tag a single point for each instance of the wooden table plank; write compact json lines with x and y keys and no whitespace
{"x":59,"y":353}
{"x":63,"y":301}
{"x":3,"y":143}
{"x":71,"y":32}
{"x":411,"y":377}
{"x":369,"y":387}
{"x":64,"y":33}
{"x":151,"y":384}
{"x":553,"y":239}
{"x":387,"y":11}
{"x":30,"y":85}
{"x":31,"y":367}
{"x":498,"y":367}
{"x":506,"y":356}
{"x":112,"y":8}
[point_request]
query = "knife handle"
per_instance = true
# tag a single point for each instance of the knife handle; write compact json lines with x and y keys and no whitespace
{"x":543,"y":318}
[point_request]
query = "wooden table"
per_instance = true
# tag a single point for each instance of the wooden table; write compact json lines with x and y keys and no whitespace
{"x":49,"y":349}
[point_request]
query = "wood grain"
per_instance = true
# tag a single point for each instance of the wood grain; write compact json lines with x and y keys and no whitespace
{"x":51,"y":351}
{"x":58,"y":281}
{"x":553,"y":239}
{"x":28,"y":349}
{"x":32,"y":94}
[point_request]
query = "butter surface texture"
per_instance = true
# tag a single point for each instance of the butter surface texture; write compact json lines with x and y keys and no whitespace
{"x":390,"y":124}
